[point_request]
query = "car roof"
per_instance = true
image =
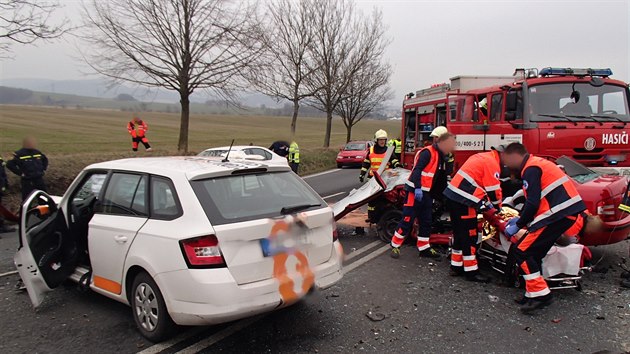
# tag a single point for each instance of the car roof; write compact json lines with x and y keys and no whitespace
{"x":235,"y":147}
{"x":193,"y":167}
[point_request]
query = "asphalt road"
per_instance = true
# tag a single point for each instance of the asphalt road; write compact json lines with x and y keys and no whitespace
{"x":381,"y":305}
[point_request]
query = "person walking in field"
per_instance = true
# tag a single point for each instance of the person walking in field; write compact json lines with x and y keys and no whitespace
{"x":31,"y":165}
{"x":138,"y":129}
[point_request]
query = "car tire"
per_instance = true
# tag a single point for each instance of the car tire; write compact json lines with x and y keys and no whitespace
{"x":149,"y":309}
{"x":387,"y":224}
{"x":339,"y":165}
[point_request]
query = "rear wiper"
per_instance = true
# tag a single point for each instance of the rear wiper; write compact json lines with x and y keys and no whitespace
{"x":558,"y":116}
{"x":296,"y":208}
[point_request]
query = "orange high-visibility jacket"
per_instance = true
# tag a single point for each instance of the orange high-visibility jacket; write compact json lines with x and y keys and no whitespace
{"x":427,"y":173}
{"x":477,"y":180}
{"x":141,"y":131}
{"x":559,"y":197}
{"x":376,"y":160}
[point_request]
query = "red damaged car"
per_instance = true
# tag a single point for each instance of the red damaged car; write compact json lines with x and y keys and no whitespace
{"x":353,"y":153}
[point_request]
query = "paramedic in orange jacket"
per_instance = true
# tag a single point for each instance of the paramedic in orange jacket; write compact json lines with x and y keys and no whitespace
{"x":475,"y":187}
{"x":138,"y":129}
{"x":429,"y":165}
{"x":551,"y":208}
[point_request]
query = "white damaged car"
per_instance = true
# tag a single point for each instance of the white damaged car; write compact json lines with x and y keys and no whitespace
{"x":182,"y":240}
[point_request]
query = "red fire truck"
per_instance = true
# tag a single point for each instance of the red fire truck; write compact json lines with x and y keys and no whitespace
{"x":580,"y":113}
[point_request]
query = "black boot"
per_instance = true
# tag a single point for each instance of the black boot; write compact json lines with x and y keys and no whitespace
{"x":456,"y":271}
{"x":477,"y":277}
{"x":430,"y":253}
{"x":537,"y":303}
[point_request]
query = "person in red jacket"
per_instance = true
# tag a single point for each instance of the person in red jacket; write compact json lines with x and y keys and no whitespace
{"x":475,"y":187}
{"x":551,"y":209}
{"x":138,"y":129}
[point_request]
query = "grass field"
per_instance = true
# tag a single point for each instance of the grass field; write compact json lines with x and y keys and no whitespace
{"x":74,"y":138}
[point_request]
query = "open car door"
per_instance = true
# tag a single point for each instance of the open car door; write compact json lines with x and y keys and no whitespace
{"x":46,"y":255}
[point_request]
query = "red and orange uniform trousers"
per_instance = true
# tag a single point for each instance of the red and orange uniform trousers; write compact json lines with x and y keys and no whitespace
{"x":465,"y":237}
{"x":529,"y":251}
{"x":413,"y":209}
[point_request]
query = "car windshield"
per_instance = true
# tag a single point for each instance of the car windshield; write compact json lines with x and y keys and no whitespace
{"x":577,"y":171}
{"x":556,"y":102}
{"x":355,"y":147}
{"x":254,"y":196}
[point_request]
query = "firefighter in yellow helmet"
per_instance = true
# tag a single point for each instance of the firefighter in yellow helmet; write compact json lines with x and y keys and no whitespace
{"x":373,"y":162}
{"x":376,"y":155}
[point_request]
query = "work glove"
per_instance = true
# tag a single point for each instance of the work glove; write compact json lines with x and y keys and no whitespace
{"x":418,"y":194}
{"x":511,"y":229}
{"x":361,"y":178}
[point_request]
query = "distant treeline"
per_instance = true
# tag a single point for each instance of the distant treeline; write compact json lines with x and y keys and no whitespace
{"x":127,"y":103}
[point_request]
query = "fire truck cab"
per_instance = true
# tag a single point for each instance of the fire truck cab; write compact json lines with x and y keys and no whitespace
{"x":580,"y":113}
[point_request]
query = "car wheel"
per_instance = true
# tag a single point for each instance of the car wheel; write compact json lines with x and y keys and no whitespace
{"x":339,"y":165}
{"x":149,"y":309}
{"x":387,"y":224}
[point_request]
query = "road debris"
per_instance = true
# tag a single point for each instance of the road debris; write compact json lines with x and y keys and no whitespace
{"x":375,"y":316}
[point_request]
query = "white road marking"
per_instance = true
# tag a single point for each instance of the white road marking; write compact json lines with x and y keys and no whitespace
{"x":242,"y":324}
{"x":353,"y":254}
{"x":322,"y":173}
{"x":8,"y":273}
{"x":365,"y":259}
{"x":332,"y":195}
{"x":220,"y":335}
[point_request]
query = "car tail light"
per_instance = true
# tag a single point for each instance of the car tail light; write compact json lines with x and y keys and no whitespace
{"x":335,"y":234}
{"x":606,"y":210}
{"x":202,"y":252}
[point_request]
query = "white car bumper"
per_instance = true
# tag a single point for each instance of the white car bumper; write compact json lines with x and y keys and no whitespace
{"x":211,"y":296}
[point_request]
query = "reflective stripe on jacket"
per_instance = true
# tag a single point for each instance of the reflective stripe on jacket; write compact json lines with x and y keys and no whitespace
{"x":559,"y":197}
{"x":428,"y":172}
{"x":376,"y":160}
{"x":477,"y":180}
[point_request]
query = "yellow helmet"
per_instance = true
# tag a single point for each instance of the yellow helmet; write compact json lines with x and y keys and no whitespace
{"x":438,"y":131}
{"x":380,"y":134}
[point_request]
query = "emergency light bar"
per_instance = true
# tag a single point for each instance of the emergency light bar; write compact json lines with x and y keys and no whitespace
{"x":575,"y":72}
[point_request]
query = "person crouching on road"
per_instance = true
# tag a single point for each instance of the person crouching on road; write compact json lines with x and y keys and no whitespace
{"x":294,"y":156}
{"x":551,"y":208}
{"x":475,"y":186}
{"x":372,"y":163}
{"x":31,"y":165}
{"x":428,"y":167}
{"x":138,"y":129}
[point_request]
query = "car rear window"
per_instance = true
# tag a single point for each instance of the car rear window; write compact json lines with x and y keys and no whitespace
{"x":355,"y":147}
{"x":253,"y":196}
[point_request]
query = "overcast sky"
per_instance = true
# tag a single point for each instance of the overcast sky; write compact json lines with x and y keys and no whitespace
{"x":432,"y":41}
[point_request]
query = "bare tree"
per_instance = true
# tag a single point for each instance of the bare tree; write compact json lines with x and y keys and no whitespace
{"x":366,"y":93}
{"x":286,"y":63}
{"x":367,"y":87}
{"x":26,"y":21}
{"x":179,"y":45}
{"x":345,"y":42}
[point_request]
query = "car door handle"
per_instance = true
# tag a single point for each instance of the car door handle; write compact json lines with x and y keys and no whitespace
{"x":120,"y":239}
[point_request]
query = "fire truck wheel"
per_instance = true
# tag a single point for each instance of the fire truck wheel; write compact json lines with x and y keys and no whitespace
{"x":387,"y":224}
